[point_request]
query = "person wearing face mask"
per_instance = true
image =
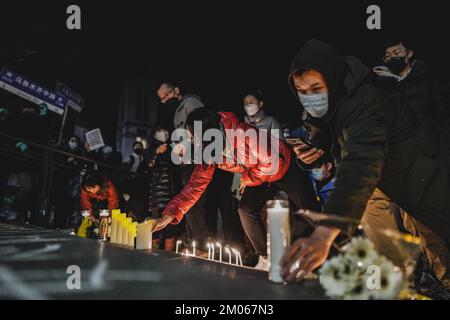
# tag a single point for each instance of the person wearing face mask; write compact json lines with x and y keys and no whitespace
{"x":162,"y":186}
{"x":322,"y":176}
{"x":181,"y":105}
{"x":410,"y":81}
{"x":135,"y":182}
{"x":384,"y":148}
{"x":255,"y":115}
{"x":261,"y":171}
{"x":74,"y":146}
{"x":66,"y":194}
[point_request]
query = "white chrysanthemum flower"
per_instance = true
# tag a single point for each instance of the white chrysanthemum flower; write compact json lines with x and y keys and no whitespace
{"x":391,"y":280}
{"x":338,"y":275}
{"x":359,"y":291}
{"x":362,"y":251}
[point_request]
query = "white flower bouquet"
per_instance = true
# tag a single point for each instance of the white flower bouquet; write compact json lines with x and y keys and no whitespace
{"x":360,"y":273}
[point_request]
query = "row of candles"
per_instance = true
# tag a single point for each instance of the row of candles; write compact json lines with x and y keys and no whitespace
{"x":230,"y":252}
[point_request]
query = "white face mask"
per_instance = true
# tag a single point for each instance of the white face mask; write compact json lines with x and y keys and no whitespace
{"x":251,"y":109}
{"x":318,"y":174}
{"x":161,"y":136}
{"x":316,"y":104}
{"x":107,"y":150}
{"x":73,"y":145}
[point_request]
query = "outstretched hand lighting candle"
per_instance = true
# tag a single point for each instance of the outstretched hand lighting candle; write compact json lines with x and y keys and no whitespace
{"x":220,"y":250}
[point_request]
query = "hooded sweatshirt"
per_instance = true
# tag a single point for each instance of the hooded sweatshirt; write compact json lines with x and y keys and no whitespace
{"x":319,"y":56}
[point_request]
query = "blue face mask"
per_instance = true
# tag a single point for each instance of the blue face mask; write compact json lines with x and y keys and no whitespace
{"x":316,"y":104}
{"x":318,"y":174}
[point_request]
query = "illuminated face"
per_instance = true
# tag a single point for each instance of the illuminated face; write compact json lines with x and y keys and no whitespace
{"x":93,"y":189}
{"x":166,"y":92}
{"x":310,"y":82}
{"x":252,"y":100}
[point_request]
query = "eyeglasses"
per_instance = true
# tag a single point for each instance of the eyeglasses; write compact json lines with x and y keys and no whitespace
{"x":165,"y":95}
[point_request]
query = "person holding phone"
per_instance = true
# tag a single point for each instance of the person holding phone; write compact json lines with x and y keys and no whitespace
{"x":383,"y":146}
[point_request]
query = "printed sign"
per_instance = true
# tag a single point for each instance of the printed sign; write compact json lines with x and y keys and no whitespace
{"x":94,"y":140}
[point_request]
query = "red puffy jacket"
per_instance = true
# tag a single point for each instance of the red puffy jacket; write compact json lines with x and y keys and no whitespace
{"x":108,"y":192}
{"x":256,"y":167}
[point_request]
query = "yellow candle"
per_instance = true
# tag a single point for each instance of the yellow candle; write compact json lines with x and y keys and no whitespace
{"x":132,"y":231}
{"x":126,"y":224}
{"x":120,"y":220}
{"x":114,"y":216}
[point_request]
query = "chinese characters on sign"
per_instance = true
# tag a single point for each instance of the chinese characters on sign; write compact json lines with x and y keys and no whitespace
{"x":32,"y":91}
{"x":74,"y":100}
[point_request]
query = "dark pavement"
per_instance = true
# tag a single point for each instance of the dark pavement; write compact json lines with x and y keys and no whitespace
{"x":34,"y":264}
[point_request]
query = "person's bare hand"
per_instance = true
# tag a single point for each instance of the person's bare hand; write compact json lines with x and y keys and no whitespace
{"x":163,"y":222}
{"x":161,"y":149}
{"x":307,"y":254}
{"x":307,"y":156}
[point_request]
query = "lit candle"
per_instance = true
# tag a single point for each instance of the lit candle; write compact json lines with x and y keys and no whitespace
{"x":228,"y":251}
{"x":240,"y":259}
{"x":236,"y":254}
{"x":177,"y":248}
{"x":193,"y":248}
{"x":279,"y":237}
{"x":220,"y":251}
{"x":213,"y":255}
{"x":209,"y":250}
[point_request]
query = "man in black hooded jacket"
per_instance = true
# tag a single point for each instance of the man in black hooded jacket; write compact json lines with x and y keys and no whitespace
{"x":381,"y":144}
{"x":412,"y":83}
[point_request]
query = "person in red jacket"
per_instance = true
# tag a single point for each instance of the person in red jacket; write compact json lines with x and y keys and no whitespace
{"x":259,"y":169}
{"x":98,"y":192}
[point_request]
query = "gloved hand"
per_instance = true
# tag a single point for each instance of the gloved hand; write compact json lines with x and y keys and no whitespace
{"x":22,"y":146}
{"x":43,"y":109}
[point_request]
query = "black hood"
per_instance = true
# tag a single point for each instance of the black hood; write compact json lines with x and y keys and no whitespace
{"x":322,"y":57}
{"x":343,"y":75}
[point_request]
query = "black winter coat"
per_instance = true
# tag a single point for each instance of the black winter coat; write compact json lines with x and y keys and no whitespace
{"x":382,"y":144}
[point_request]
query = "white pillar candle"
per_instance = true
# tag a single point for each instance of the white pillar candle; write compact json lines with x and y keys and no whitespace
{"x":278,"y":237}
{"x":177,"y":247}
{"x":236,"y":262}
{"x":193,"y":248}
{"x":213,"y":254}
{"x":240,"y":259}
{"x":228,"y":251}
{"x":144,"y":236}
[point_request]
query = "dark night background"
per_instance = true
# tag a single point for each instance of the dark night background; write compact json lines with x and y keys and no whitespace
{"x":217,"y":49}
